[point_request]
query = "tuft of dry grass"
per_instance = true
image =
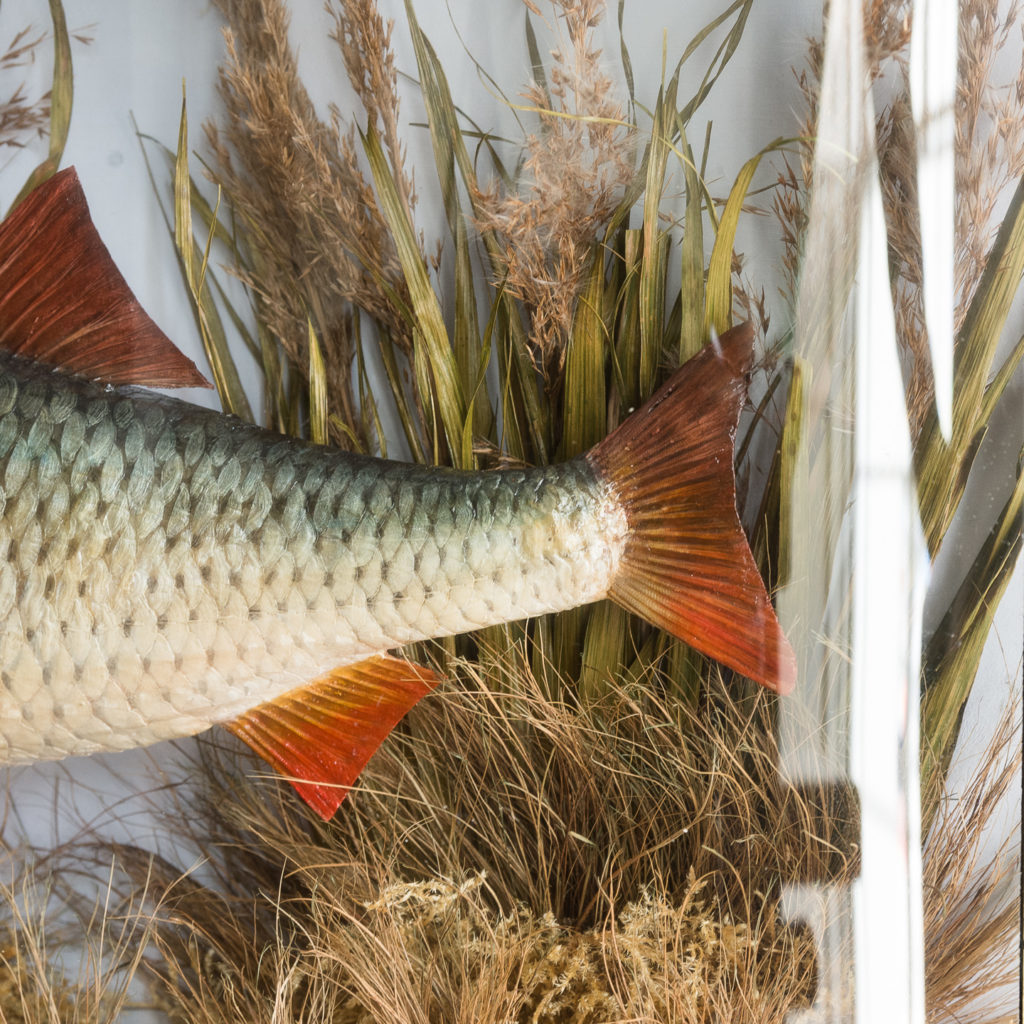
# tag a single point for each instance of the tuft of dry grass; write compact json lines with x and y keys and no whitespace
{"x":507,"y":858}
{"x":972,"y":893}
{"x":66,"y":957}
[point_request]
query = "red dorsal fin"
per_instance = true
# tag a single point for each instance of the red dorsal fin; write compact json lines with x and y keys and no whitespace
{"x":687,"y":566}
{"x":65,"y":303}
{"x":321,"y":736}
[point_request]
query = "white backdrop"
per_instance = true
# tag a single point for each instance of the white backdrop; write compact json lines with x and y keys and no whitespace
{"x":142,"y":52}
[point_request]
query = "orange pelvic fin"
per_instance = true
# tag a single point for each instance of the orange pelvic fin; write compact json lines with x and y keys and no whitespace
{"x":65,"y":303}
{"x":321,"y":736}
{"x":687,"y":567}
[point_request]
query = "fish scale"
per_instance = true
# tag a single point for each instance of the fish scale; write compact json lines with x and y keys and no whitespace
{"x":165,"y":567}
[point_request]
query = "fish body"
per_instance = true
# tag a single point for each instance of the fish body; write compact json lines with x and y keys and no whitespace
{"x":164,"y":568}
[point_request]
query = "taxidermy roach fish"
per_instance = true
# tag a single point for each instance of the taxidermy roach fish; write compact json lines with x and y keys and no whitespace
{"x":164,"y":568}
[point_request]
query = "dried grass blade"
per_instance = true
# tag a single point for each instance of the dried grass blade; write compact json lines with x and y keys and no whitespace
{"x":428,"y":322}
{"x":691,"y":292}
{"x":741,"y":8}
{"x":653,"y":266}
{"x":318,"y":430}
{"x":793,"y":462}
{"x":446,"y":137}
{"x":627,"y":63}
{"x":718,"y":303}
{"x":686,"y":669}
{"x":368,"y":402}
{"x":584,"y":407}
{"x":239,"y":325}
{"x":469,"y":356}
{"x":979,"y":337}
{"x":604,"y":646}
{"x":194,"y":262}
{"x":61,"y":102}
{"x":271,"y":361}
{"x":537,"y":71}
{"x":994,"y":392}
{"x":517,"y":378}
{"x":479,"y":409}
{"x":627,"y":352}
{"x":406,"y":415}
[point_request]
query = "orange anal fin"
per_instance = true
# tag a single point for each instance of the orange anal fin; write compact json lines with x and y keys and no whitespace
{"x":321,"y":736}
{"x":687,"y":567}
{"x":64,"y":302}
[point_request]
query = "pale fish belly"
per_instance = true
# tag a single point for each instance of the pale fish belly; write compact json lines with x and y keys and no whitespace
{"x":163,"y":568}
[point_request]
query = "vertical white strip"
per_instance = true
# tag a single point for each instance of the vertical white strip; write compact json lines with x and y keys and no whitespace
{"x":933,"y":60}
{"x":814,"y":725}
{"x":889,"y":564}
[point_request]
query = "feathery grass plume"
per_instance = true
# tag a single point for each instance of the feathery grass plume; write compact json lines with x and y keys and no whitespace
{"x":365,"y":42}
{"x":508,"y":857}
{"x":576,"y":167}
{"x":20,"y":117}
{"x":972,"y":895}
{"x":318,"y":248}
{"x":989,"y":135}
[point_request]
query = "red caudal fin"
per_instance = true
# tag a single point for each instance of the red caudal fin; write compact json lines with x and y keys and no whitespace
{"x":65,"y":303}
{"x":321,"y":736}
{"x":687,"y":567}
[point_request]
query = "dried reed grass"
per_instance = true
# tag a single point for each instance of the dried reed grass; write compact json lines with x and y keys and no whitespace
{"x":441,"y":897}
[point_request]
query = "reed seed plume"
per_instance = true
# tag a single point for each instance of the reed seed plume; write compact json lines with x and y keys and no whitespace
{"x":365,"y":43}
{"x":989,"y":134}
{"x":320,"y":249}
{"x":575,"y":168}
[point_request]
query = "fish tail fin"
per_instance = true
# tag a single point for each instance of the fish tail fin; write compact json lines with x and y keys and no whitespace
{"x":687,"y":567}
{"x":321,"y":736}
{"x":64,"y":302}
